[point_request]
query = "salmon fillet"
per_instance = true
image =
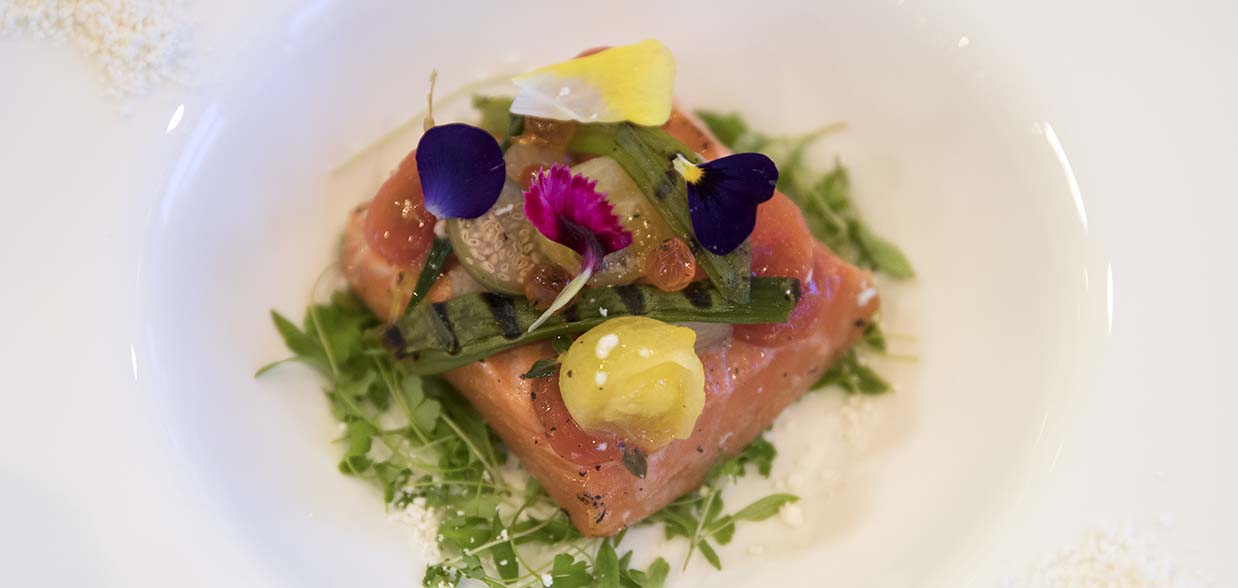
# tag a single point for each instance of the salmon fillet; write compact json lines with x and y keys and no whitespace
{"x":749,"y":378}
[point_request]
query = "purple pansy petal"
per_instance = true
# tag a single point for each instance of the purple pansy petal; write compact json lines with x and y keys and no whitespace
{"x":723,"y":201}
{"x":720,"y":229}
{"x":568,"y":209}
{"x":462,"y":170}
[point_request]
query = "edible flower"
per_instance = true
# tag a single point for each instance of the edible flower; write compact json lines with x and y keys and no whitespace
{"x":723,"y":196}
{"x":624,"y":83}
{"x":461,"y":169}
{"x":568,"y":210}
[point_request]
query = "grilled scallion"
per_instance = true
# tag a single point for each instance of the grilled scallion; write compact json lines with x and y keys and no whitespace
{"x":646,"y":154}
{"x":437,"y":337}
{"x":430,"y":272}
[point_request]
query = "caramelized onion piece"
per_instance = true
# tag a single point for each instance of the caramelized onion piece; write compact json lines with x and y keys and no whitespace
{"x":544,"y":283}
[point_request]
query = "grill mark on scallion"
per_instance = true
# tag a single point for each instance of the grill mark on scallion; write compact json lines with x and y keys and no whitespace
{"x":440,"y":323}
{"x":632,"y":298}
{"x":646,"y":154}
{"x":393,"y":339}
{"x":698,"y":295}
{"x":666,"y":184}
{"x":503,"y":309}
{"x":446,"y":335}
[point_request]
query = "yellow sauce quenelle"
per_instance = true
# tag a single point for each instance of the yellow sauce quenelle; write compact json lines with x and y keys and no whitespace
{"x":637,"y":378}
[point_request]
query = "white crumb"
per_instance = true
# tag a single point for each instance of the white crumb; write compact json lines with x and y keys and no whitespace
{"x":1110,"y":558}
{"x":865,"y":296}
{"x":422,"y":522}
{"x":792,"y":515}
{"x":606,"y":344}
{"x":135,"y":44}
{"x":859,"y":417}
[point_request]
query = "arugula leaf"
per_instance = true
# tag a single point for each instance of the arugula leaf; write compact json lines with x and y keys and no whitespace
{"x":561,"y":343}
{"x":727,"y":127}
{"x":656,"y":576}
{"x":825,"y":199}
{"x":759,"y":453}
{"x":850,"y":374}
{"x":882,"y":254}
{"x":465,"y":532}
{"x":710,"y":555}
{"x":438,"y":575}
{"x":606,"y":566}
{"x":360,"y":435}
{"x":504,"y":553}
{"x":699,"y":516}
{"x":764,"y":508}
{"x":566,"y":572}
{"x":874,"y":337}
{"x":724,"y":531}
{"x":296,"y":340}
{"x":305,"y":349}
{"x":424,"y":411}
{"x":542,"y":368}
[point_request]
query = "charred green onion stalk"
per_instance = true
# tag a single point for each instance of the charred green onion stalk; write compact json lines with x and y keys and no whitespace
{"x":439,"y":251}
{"x":647,"y":153}
{"x":438,"y":337}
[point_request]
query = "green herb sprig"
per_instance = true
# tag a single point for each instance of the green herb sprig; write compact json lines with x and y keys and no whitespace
{"x":825,"y":198}
{"x":497,"y":526}
{"x":699,"y":517}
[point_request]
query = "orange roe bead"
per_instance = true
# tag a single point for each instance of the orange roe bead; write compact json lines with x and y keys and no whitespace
{"x":670,"y":266}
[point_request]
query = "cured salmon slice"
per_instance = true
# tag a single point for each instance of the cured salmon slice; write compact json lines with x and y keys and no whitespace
{"x":750,"y":377}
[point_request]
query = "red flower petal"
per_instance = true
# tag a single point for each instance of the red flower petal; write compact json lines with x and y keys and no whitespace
{"x":560,"y":205}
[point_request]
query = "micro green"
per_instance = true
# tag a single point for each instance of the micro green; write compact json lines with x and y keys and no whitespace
{"x":824,"y":197}
{"x":420,"y":443}
{"x":423,"y":446}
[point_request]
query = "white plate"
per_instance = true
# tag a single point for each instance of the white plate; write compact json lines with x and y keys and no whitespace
{"x":1057,"y":173}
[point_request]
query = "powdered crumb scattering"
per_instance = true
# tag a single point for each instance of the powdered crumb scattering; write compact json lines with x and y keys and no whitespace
{"x":423,"y":522}
{"x":859,"y":417}
{"x":1119,"y":558}
{"x":137,"y":44}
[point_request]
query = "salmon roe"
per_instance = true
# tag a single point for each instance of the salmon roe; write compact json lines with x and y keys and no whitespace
{"x":670,"y":266}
